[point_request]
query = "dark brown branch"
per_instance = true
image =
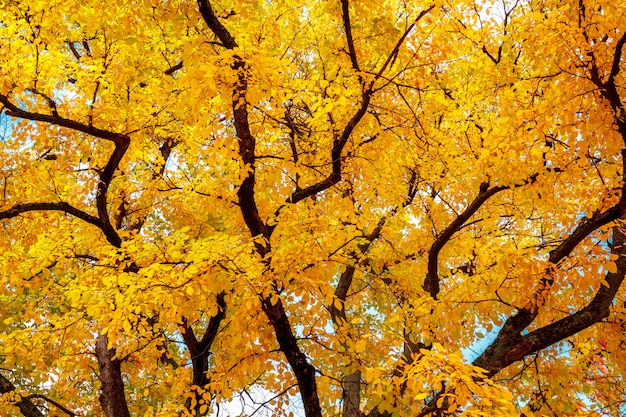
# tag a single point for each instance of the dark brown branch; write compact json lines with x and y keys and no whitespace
{"x":608,"y":89}
{"x":510,"y":346}
{"x":18,"y":209}
{"x":617,"y":58}
{"x":351,"y":396}
{"x":120,"y":140}
{"x":51,"y":104}
{"x":73,"y":49}
{"x":166,"y":150}
{"x":431,"y":283}
{"x":27,"y":407}
{"x":345,"y":280}
{"x":215,"y":25}
{"x":112,"y":398}
{"x":345,"y":12}
{"x":304,"y":371}
{"x":584,"y":229}
{"x":340,"y":141}
{"x":199,"y":350}
{"x":338,"y":144}
{"x":14,"y":111}
{"x":171,"y":70}
{"x":247,"y":142}
{"x":103,"y":186}
{"x":54,"y":403}
{"x":396,"y":49}
{"x":486,"y":51}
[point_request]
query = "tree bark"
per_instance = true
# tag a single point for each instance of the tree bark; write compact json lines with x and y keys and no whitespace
{"x":352,"y":395}
{"x":112,"y":398}
{"x":26,"y":406}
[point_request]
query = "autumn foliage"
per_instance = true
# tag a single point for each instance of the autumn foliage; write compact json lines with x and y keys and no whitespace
{"x":317,"y":208}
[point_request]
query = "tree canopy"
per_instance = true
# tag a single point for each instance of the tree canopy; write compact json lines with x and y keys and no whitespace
{"x":320,"y":208}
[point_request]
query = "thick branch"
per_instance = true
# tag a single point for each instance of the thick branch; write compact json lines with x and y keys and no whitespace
{"x":215,"y":25}
{"x":345,"y":11}
{"x":14,"y":111}
{"x":199,"y":350}
{"x":120,"y":140}
{"x":351,"y":396}
{"x":18,"y":209}
{"x":112,"y":398}
{"x":27,"y":408}
{"x":510,"y":346}
{"x":584,"y":229}
{"x":247,"y":142}
{"x":338,"y":144}
{"x":304,"y":371}
{"x":171,"y":70}
{"x":340,"y":141}
{"x":431,"y":283}
{"x":617,"y":59}
{"x":338,"y":315}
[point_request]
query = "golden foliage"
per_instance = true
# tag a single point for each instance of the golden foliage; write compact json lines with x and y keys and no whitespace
{"x":268,"y":197}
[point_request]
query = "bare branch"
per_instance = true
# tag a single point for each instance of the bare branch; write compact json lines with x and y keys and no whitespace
{"x":171,"y":70}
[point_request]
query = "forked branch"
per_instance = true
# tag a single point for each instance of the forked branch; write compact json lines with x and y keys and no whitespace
{"x":121,"y":142}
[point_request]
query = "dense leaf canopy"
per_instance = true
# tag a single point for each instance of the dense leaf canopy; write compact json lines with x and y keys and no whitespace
{"x":319,"y":208}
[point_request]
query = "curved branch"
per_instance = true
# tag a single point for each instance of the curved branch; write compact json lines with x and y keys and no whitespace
{"x":199,"y":350}
{"x":14,"y":111}
{"x":27,"y":408}
{"x":54,"y":403}
{"x":510,"y":346}
{"x":247,"y":142}
{"x":431,"y":283}
{"x":339,"y":142}
{"x":121,"y":141}
{"x":18,"y":209}
{"x":303,"y":370}
{"x":584,"y":228}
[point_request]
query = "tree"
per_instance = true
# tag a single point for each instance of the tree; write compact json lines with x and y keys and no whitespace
{"x":368,"y":208}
